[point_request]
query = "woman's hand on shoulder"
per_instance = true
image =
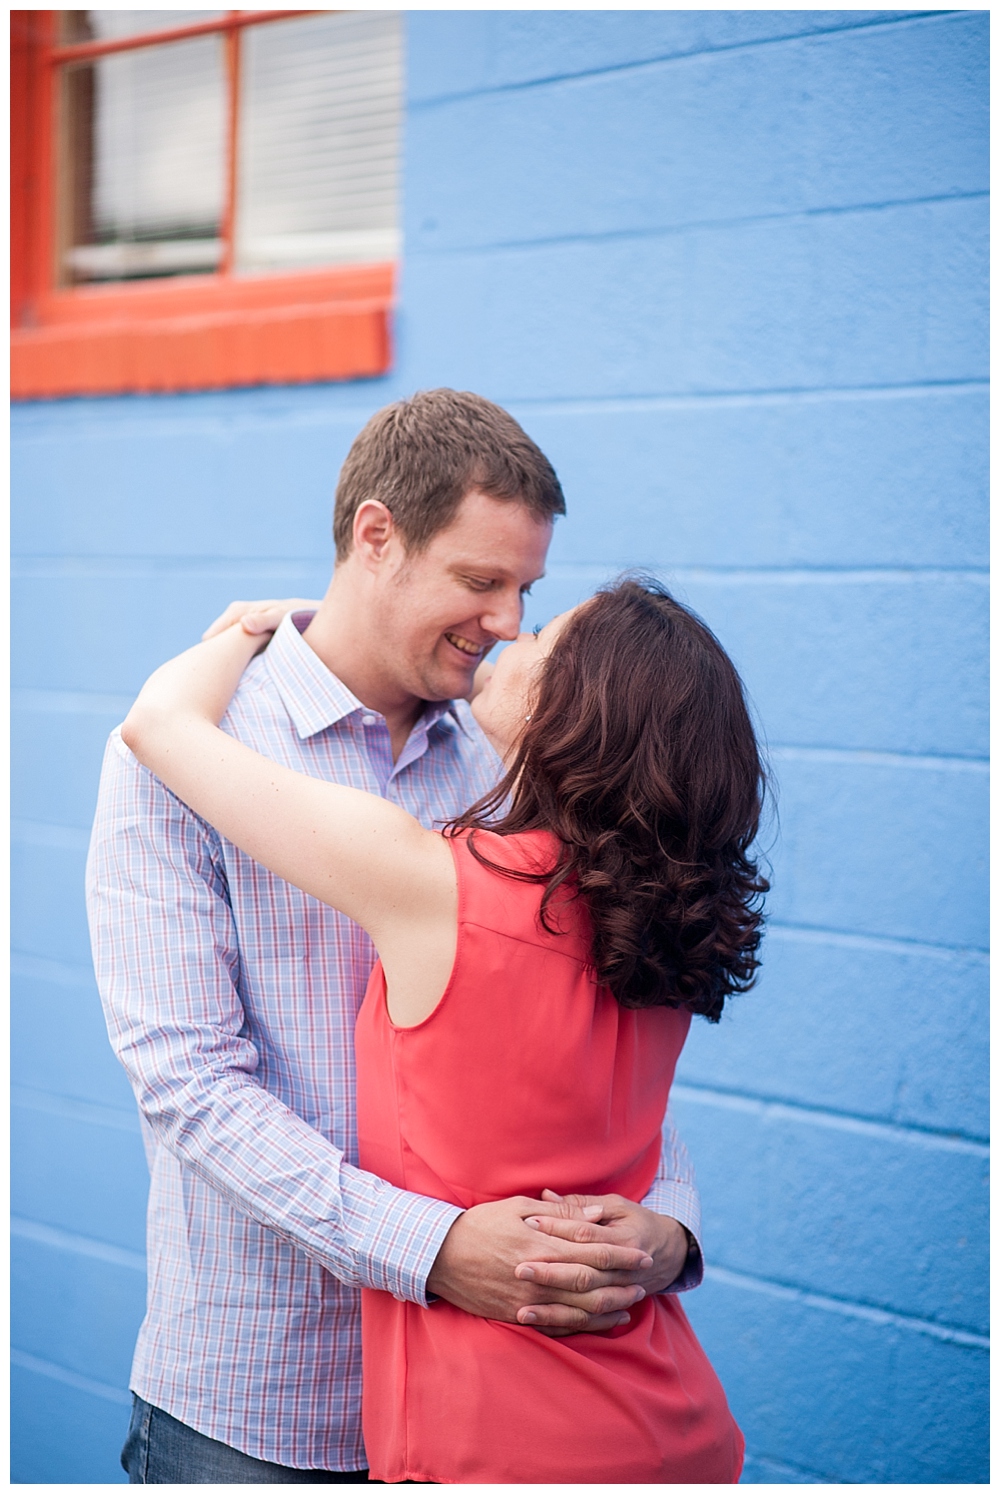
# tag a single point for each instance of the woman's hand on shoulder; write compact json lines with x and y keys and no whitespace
{"x":193,"y":688}
{"x":258,"y":617}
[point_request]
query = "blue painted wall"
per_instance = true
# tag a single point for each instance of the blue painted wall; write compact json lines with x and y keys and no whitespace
{"x":728,"y":268}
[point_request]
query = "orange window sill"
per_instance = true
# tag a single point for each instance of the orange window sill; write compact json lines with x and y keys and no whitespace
{"x":206,"y":332}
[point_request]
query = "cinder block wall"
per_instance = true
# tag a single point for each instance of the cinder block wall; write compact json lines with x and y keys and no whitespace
{"x":728,"y":268}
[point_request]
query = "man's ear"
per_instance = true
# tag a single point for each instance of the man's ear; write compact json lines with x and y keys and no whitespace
{"x":374,"y":528}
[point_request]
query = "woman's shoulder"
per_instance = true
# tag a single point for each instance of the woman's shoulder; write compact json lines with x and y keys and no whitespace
{"x":502,"y":880}
{"x":535,"y":852}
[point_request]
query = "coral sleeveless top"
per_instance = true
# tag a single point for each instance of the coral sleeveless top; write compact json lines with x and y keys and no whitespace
{"x":526,"y":1075}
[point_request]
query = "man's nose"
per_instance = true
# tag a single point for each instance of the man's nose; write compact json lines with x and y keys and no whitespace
{"x":503,"y":617}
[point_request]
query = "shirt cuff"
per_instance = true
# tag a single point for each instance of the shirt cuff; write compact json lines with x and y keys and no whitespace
{"x":680,"y":1201}
{"x":692,"y":1272}
{"x":397,"y":1236}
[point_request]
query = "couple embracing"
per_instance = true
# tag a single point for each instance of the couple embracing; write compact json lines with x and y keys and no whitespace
{"x":399,"y":950}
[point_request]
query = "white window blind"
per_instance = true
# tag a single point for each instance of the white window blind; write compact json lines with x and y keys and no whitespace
{"x":319,"y":128}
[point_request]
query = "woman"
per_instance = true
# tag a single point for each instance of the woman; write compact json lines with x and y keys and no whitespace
{"x":539,"y":963}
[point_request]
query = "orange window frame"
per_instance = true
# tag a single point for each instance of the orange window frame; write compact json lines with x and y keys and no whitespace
{"x":185,"y":332}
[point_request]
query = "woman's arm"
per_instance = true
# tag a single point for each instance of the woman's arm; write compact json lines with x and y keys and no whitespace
{"x":352,"y":850}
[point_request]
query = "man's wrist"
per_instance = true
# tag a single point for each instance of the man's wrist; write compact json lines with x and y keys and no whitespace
{"x":439,"y":1232}
{"x":393,"y":1236}
{"x":693,"y":1269}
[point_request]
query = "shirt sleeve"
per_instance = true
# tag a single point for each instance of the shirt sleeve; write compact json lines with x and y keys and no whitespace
{"x":166,"y":957}
{"x":675,"y":1193}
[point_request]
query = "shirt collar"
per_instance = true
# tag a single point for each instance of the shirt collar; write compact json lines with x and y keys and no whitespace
{"x":313,"y":695}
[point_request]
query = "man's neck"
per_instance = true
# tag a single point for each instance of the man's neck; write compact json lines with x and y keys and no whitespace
{"x":340,"y":634}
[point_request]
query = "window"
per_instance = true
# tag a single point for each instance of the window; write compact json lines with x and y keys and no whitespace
{"x":202,"y":198}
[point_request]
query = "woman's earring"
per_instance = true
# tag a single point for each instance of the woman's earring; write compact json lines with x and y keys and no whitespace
{"x":527,"y":718}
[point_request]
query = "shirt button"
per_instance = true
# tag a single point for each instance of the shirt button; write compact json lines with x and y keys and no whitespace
{"x":368,"y":721}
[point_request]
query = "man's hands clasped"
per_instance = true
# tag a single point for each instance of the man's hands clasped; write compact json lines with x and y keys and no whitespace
{"x":561,"y":1265}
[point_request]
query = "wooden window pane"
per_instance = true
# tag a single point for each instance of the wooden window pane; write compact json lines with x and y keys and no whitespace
{"x":144,"y":160}
{"x":320,"y":113}
{"x":109,"y":25}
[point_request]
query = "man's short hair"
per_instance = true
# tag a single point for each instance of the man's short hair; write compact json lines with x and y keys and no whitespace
{"x":421,"y":456}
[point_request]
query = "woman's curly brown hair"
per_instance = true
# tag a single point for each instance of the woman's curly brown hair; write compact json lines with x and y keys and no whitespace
{"x":640,"y":757}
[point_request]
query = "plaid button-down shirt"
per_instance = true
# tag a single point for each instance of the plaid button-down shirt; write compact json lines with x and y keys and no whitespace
{"x":231,"y":998}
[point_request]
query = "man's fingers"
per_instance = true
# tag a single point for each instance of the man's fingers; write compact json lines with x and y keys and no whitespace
{"x":557,"y":1321}
{"x":600,"y":1257}
{"x":567,"y":1277}
{"x":580,"y":1231}
{"x":564,"y":1277}
{"x":607,"y":1299}
{"x":604,"y":1206}
{"x":571,"y":1205}
{"x":562,"y":1313}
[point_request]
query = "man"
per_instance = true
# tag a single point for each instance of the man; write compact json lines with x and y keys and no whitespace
{"x":231,"y":996}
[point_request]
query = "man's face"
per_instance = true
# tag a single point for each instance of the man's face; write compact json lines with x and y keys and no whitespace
{"x":441,"y":610}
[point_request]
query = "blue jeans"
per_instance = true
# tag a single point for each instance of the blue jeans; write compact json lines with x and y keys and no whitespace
{"x":161,"y":1450}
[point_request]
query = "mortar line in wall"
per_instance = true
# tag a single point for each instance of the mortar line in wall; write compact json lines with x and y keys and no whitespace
{"x":768,"y":1464}
{"x":877,"y":758}
{"x":292,"y":404}
{"x":787,"y":574}
{"x":694,"y":225}
{"x":74,"y":1244}
{"x":846,"y":1307}
{"x":69,"y":1377}
{"x":167,"y":413}
{"x":213,"y":565}
{"x":28,"y":832}
{"x":808,"y":933}
{"x":217,"y":566}
{"x":44,"y":967}
{"x":58,"y":567}
{"x":68,"y":1107}
{"x":676,"y":58}
{"x":69,"y":702}
{"x":655,"y":401}
{"x":930,"y":1137}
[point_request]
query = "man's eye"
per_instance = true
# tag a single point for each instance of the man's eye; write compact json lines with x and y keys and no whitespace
{"x":526,"y":590}
{"x":477,"y":583}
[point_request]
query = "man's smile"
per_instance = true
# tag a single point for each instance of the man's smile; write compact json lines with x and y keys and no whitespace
{"x":473,"y":650}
